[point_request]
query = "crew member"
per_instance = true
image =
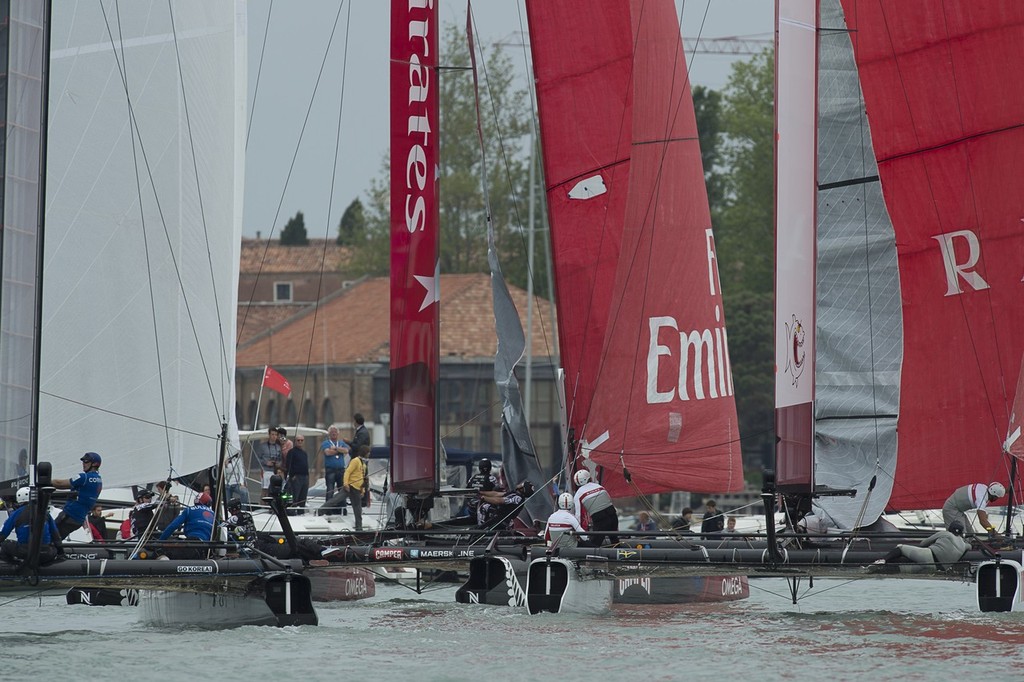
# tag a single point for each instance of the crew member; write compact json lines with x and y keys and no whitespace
{"x":498,"y":509}
{"x":943,"y":548}
{"x":20,"y":521}
{"x":594,"y":507}
{"x":563,"y":528}
{"x":974,"y":496}
{"x":88,"y":486}
{"x":197,"y":523}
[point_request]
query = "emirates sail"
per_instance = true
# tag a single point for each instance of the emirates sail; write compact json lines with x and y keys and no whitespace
{"x":415,"y":136}
{"x":919,"y":251}
{"x":641,"y":323}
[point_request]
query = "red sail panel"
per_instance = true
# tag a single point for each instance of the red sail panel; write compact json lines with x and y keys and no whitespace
{"x":1014,"y":443}
{"x":414,"y":245}
{"x":944,"y":91}
{"x":663,"y":405}
{"x":584,"y":98}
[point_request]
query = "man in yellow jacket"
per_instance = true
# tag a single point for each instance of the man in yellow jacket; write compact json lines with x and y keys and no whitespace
{"x":355,"y":482}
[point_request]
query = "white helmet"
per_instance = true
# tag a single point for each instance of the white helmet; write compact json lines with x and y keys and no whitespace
{"x":581,"y":477}
{"x":565,"y":501}
{"x":23,"y":495}
{"x":996,"y":490}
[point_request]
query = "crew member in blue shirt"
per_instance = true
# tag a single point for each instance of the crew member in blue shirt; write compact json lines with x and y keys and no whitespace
{"x":20,"y":522}
{"x":88,"y":485}
{"x":198,"y":525}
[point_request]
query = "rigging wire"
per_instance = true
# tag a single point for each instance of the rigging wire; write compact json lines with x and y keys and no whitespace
{"x":291,"y":169}
{"x":259,"y":72}
{"x":330,"y":207}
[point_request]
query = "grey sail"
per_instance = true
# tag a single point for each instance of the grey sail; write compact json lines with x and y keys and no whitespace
{"x":859,"y":325}
{"x":23,"y":111}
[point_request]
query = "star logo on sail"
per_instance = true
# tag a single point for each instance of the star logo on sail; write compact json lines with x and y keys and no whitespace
{"x":431,"y":287}
{"x":795,"y":336}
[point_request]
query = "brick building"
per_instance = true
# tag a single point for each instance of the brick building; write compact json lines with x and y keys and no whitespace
{"x":335,"y":355}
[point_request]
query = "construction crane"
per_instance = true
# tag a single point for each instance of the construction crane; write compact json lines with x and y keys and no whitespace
{"x":734,"y":45}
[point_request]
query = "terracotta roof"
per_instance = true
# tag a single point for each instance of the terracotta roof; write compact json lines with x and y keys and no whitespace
{"x":263,"y":256}
{"x":353,"y":326}
{"x":256,"y":318}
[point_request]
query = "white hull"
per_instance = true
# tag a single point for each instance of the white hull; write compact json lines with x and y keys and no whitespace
{"x":998,"y":584}
{"x":559,"y":586}
{"x":194,"y":609}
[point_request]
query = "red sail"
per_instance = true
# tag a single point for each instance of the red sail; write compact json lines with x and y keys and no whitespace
{"x":641,"y":324}
{"x":414,"y":244}
{"x":584,"y":100}
{"x":944,"y":91}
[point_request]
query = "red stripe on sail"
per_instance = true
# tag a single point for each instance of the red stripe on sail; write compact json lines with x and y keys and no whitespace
{"x":415,"y":136}
{"x":944,"y":92}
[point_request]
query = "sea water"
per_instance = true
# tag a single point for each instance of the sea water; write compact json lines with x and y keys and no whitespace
{"x":888,"y":629}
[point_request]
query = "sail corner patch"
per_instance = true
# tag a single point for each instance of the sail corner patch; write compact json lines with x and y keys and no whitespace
{"x":588,"y":188}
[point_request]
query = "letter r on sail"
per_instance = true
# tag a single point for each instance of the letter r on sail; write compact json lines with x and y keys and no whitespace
{"x":955,"y":270}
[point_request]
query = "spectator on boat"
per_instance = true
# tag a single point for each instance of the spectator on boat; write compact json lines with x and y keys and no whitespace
{"x":354,"y":482}
{"x":361,"y":435}
{"x":975,"y":496}
{"x":20,"y":523}
{"x":594,"y":507}
{"x":98,"y":522}
{"x":196,"y":523}
{"x":335,"y":454}
{"x":713,"y":521}
{"x":498,"y":509}
{"x":942,"y":549}
{"x":88,"y":485}
{"x":297,"y":471}
{"x":268,"y":454}
{"x":730,"y":524}
{"x":683,"y":521}
{"x":645,"y":523}
{"x":563,"y":529}
{"x":234,"y":479}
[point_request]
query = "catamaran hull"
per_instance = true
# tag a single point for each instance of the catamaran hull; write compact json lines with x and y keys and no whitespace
{"x":998,"y":586}
{"x":280,"y":600}
{"x":341,"y":583}
{"x":495,"y":580}
{"x":560,"y":586}
{"x":681,"y":590}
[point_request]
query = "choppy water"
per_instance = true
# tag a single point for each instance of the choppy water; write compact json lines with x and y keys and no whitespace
{"x":877,"y":629}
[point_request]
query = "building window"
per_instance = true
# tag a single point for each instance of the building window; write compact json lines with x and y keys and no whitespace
{"x":328,"y":412}
{"x":282,"y":292}
{"x":291,"y":413}
{"x":309,"y":414}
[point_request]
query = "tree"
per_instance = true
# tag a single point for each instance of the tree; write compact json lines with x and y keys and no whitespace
{"x":707,"y":105}
{"x":294,"y":232}
{"x":744,"y":235}
{"x":352,"y":228}
{"x":506,"y":116}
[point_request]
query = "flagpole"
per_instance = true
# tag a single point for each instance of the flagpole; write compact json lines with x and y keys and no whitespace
{"x":256,"y":424}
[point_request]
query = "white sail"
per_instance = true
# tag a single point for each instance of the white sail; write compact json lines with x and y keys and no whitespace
{"x":143,"y":225}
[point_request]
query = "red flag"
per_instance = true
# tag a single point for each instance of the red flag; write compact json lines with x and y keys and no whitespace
{"x":274,"y":381}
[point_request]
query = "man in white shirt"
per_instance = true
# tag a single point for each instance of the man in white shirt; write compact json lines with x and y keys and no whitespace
{"x":563,"y":529}
{"x":594,"y":508}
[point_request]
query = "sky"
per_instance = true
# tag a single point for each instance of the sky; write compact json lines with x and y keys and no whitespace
{"x":293,"y":132}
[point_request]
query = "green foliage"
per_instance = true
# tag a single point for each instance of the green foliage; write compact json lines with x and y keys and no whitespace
{"x":707,"y":105}
{"x":294,"y":232}
{"x":744,"y":235}
{"x":352,"y":228}
{"x":505,"y":111}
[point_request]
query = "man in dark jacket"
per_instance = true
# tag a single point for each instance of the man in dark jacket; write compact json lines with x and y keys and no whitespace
{"x":298,"y":474}
{"x":713,"y":521}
